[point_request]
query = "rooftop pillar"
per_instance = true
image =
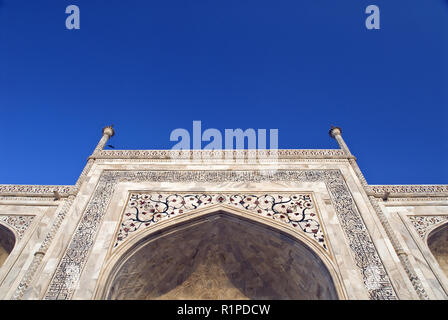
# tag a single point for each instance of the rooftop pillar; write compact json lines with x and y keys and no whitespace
{"x":108,"y":132}
{"x":29,"y":276}
{"x":336,"y":133}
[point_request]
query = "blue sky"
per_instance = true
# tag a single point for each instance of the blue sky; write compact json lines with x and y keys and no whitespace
{"x":150,"y":67}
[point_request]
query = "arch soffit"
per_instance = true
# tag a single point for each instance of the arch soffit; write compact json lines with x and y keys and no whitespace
{"x":5,"y":228}
{"x":118,"y":257}
{"x":12,"y":231}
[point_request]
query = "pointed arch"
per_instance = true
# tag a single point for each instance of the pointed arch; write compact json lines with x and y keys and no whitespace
{"x":294,"y":266}
{"x":7,"y":242}
{"x":437,"y":241}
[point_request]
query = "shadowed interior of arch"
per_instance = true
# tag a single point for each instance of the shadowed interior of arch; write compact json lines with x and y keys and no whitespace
{"x":7,"y":241}
{"x":438,"y":244}
{"x":221,"y":256}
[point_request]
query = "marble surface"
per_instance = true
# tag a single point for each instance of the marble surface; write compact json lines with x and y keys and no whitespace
{"x":352,"y":279}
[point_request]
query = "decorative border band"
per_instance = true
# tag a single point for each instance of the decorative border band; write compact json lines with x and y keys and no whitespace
{"x":33,"y":190}
{"x":221,"y":154}
{"x":433,"y":190}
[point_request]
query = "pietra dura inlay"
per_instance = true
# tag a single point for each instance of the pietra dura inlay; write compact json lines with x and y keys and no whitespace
{"x":146,"y":209}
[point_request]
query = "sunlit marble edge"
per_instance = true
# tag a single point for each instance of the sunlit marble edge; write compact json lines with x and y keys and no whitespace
{"x":268,"y":155}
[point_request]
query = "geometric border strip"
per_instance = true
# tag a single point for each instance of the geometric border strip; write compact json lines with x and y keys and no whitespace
{"x":18,"y":223}
{"x":365,"y":255}
{"x":423,"y":224}
{"x":33,"y":190}
{"x":428,"y":190}
{"x":146,"y":209}
{"x":222,"y":154}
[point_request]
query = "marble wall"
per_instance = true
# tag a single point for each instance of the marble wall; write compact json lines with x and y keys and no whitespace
{"x":413,"y":220}
{"x":30,"y":219}
{"x":67,"y":247}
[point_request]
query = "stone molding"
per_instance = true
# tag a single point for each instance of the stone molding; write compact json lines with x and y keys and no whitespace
{"x":398,"y":201}
{"x":232,"y":154}
{"x":266,"y":161}
{"x":410,"y":190}
{"x":34,"y":190}
{"x":18,"y":199}
{"x":365,"y":255}
{"x":379,"y":190}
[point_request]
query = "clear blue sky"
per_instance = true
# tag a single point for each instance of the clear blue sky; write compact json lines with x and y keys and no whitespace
{"x":149,"y":67}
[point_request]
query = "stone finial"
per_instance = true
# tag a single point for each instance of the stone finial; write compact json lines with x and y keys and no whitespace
{"x":334,"y":131}
{"x":109,"y":130}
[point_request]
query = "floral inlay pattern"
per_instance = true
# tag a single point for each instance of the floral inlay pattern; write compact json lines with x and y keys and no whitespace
{"x":146,"y":209}
{"x":18,"y":223}
{"x":425,"y":223}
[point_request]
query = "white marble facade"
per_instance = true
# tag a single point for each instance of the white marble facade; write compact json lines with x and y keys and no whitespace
{"x":371,"y":240}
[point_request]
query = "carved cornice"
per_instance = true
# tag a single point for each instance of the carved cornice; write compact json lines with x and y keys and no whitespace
{"x":222,"y":161}
{"x":33,"y":190}
{"x":224,"y":154}
{"x":405,"y":191}
{"x":395,"y":191}
{"x":432,"y":199}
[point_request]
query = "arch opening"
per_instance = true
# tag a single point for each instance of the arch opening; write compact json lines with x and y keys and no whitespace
{"x":438,"y":244}
{"x":220,"y":256}
{"x":7,"y":241}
